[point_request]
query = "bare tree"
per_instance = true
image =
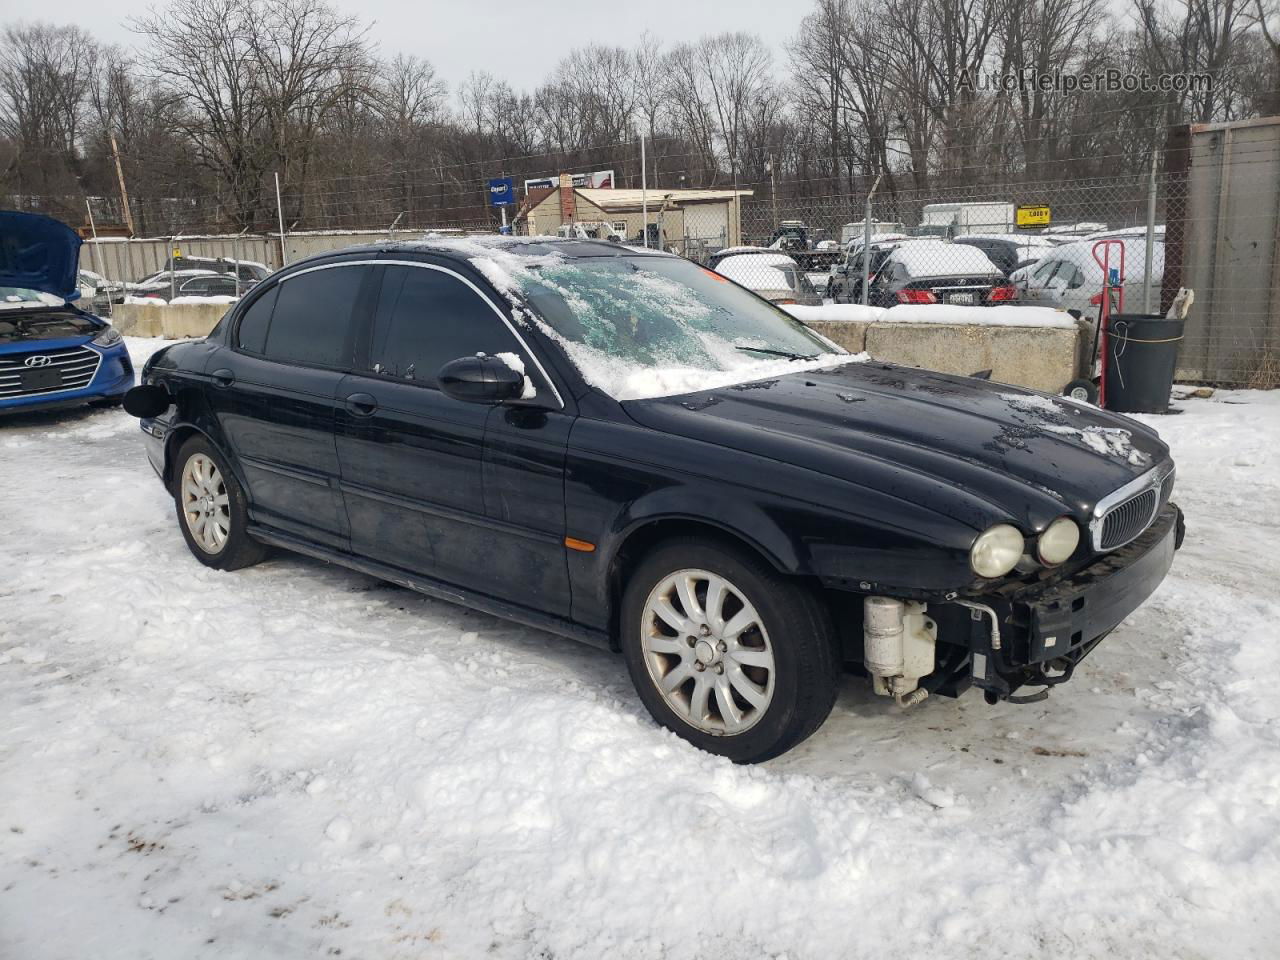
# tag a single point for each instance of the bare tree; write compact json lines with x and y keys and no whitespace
{"x":45,"y":73}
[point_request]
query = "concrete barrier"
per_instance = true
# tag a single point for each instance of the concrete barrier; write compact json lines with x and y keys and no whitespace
{"x":1040,"y":358}
{"x":171,"y":322}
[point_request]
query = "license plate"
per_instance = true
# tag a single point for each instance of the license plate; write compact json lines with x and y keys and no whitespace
{"x":960,"y":298}
{"x":40,"y":378}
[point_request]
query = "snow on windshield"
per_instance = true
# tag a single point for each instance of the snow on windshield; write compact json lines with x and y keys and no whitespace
{"x":647,"y":327}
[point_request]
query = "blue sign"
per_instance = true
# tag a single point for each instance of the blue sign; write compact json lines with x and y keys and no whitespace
{"x":502,"y":192}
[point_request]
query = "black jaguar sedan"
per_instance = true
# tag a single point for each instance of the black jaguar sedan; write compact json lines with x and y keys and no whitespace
{"x":625,"y":448}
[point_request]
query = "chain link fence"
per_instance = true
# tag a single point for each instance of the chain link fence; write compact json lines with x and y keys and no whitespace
{"x":1212,"y":226}
{"x":1209,"y":220}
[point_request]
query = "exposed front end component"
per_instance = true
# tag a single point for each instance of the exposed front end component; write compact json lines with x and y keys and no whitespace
{"x":898,"y":646}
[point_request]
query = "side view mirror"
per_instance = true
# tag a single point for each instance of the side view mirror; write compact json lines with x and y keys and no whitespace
{"x":480,"y":379}
{"x":147,"y":400}
{"x":841,"y":269}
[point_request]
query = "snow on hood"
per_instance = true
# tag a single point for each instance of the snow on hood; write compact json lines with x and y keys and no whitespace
{"x":39,"y":253}
{"x":1108,"y":441}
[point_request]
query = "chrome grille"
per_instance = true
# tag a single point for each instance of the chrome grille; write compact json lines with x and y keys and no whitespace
{"x":76,"y":366}
{"x":1122,"y":516}
{"x":1125,"y":521}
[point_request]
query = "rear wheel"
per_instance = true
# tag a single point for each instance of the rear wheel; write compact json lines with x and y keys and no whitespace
{"x":212,"y":510}
{"x":728,"y":654}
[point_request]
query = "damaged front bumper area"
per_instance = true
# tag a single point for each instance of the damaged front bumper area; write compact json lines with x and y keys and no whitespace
{"x":1037,"y":635}
{"x":1022,"y":635}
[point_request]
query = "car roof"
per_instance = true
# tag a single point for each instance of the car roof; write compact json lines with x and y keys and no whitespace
{"x":466,"y":247}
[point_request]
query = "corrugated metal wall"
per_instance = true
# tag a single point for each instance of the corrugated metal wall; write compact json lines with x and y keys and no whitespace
{"x":1232,"y":254}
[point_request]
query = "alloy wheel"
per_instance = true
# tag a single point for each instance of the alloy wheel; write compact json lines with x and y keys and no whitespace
{"x":707,"y":652}
{"x":205,"y":504}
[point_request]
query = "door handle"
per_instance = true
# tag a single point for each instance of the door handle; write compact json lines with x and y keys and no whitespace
{"x":361,"y":405}
{"x":223,"y":378}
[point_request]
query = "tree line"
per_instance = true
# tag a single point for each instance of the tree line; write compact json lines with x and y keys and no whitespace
{"x":218,"y":97}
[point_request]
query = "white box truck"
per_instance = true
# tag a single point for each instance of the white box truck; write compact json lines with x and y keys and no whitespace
{"x":957,"y":219}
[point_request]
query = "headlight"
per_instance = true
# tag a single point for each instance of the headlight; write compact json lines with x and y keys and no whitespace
{"x":107,"y":338}
{"x":997,"y":551}
{"x":1058,"y":542}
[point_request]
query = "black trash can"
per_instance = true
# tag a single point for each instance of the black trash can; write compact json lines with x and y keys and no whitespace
{"x":1142,"y":353}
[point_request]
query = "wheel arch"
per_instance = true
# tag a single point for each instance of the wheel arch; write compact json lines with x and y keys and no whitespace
{"x":645,"y":535}
{"x":178,"y":435}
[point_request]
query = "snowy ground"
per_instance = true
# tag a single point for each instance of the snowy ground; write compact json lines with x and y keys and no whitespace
{"x":296,"y":761}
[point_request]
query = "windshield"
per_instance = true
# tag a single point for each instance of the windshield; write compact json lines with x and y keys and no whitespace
{"x":21,"y":298}
{"x":654,"y":326}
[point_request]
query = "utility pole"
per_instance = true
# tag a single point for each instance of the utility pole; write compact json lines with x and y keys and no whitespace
{"x":124,"y":194}
{"x":284,"y":255}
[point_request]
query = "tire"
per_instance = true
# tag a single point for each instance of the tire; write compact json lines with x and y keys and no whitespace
{"x":216,"y":497}
{"x":1082,"y":389}
{"x":785,"y":659}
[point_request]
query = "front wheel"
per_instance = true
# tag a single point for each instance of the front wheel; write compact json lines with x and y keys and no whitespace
{"x":725,"y":652}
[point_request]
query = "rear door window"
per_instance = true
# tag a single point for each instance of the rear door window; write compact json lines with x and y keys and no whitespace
{"x":427,"y":318}
{"x":313,"y":317}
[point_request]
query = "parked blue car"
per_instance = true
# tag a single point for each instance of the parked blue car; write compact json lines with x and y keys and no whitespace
{"x":52,"y":353}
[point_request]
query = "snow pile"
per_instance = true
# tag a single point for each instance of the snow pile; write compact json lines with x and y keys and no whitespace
{"x":296,"y":760}
{"x":835,"y":313}
{"x":179,"y":301}
{"x":997,"y":316}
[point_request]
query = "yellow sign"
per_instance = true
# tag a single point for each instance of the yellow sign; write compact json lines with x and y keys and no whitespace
{"x":1033,"y":216}
{"x":177,"y":252}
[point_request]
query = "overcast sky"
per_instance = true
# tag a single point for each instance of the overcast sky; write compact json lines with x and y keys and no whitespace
{"x":520,"y":46}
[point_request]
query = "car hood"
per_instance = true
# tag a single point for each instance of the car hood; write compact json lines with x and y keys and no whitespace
{"x":974,"y":450}
{"x":39,"y":253}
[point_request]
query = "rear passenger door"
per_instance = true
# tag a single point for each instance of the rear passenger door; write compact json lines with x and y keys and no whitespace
{"x":421,"y":489}
{"x":274,"y":395}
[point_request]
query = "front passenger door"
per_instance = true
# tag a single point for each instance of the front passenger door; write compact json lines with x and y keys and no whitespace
{"x":413,"y":459}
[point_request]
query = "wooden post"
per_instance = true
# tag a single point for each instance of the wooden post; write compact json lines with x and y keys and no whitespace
{"x":124,"y":194}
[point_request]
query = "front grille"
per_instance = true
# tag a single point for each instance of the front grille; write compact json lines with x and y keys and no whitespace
{"x":1126,"y":520}
{"x":75,"y":368}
